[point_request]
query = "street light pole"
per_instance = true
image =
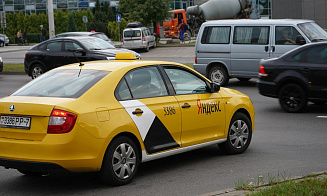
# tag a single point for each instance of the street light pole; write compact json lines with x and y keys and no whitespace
{"x":51,"y":19}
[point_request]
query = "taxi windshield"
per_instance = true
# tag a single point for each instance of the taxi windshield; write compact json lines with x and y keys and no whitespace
{"x":313,"y":31}
{"x":61,"y":83}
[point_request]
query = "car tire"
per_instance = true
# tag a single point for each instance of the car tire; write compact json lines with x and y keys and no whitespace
{"x":218,"y":75}
{"x":30,"y":173}
{"x":187,"y":35}
{"x":37,"y":70}
{"x":239,"y":135}
{"x":119,"y":166}
{"x":147,"y":48}
{"x":2,"y":44}
{"x":292,"y":98}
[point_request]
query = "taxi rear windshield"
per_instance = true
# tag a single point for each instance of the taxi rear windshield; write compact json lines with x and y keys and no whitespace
{"x":62,"y":83}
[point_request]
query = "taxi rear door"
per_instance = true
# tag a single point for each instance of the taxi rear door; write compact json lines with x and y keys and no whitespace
{"x":157,"y":115}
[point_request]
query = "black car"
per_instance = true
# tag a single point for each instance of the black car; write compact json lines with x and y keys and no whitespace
{"x":296,"y":77}
{"x":84,"y":33}
{"x":61,"y":51}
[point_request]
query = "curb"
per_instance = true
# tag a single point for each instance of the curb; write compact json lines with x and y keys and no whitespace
{"x":234,"y":192}
{"x":13,"y":73}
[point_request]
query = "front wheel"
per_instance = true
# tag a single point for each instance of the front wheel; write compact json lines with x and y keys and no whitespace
{"x":239,"y":135}
{"x":37,"y":70}
{"x":120,"y":162}
{"x":218,"y":75}
{"x":292,"y":98}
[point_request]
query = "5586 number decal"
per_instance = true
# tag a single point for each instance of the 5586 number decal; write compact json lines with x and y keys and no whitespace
{"x":169,"y":110}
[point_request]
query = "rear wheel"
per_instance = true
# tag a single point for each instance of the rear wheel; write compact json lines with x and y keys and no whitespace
{"x":218,"y":75}
{"x":187,"y":35}
{"x":292,"y":98}
{"x":120,"y":162}
{"x":37,"y":70}
{"x":147,"y":48}
{"x":239,"y":135}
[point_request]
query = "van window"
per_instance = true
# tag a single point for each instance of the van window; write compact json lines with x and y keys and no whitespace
{"x":132,"y":33}
{"x":285,"y":35}
{"x":251,"y":35}
{"x":216,"y":35}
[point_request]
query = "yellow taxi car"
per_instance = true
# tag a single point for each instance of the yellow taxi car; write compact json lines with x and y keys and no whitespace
{"x":110,"y":116}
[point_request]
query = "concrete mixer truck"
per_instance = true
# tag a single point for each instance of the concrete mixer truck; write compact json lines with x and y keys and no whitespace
{"x":198,"y":14}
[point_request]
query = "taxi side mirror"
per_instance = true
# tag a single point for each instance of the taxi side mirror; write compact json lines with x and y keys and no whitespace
{"x":214,"y":87}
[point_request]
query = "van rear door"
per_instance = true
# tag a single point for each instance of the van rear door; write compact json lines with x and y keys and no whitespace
{"x":132,"y":38}
{"x":249,"y":45}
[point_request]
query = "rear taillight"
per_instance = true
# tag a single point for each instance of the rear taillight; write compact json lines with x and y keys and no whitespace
{"x":61,"y":121}
{"x":195,"y":60}
{"x":122,"y":39}
{"x":25,"y":55}
{"x":143,"y":37}
{"x":262,"y":71}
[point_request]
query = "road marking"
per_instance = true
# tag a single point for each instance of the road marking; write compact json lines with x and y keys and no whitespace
{"x":321,"y":116}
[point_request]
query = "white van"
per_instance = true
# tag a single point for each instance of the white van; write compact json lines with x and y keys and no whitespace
{"x":138,"y":38}
{"x":233,"y":48}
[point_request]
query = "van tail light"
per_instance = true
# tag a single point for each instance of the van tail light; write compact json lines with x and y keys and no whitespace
{"x":121,"y":39}
{"x":195,"y":60}
{"x":262,"y":71}
{"x":143,"y":37}
{"x":61,"y":121}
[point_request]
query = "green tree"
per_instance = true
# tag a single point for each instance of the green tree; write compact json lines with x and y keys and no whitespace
{"x":71,"y":27}
{"x":113,"y":29}
{"x":61,"y":20}
{"x":146,"y":11}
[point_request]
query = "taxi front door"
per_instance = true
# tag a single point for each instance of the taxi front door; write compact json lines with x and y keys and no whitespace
{"x":203,"y":113}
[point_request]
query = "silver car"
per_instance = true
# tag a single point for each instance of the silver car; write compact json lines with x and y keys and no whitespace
{"x":138,"y":38}
{"x":5,"y":38}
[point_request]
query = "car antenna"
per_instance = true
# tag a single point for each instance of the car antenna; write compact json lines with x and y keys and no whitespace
{"x":80,"y":64}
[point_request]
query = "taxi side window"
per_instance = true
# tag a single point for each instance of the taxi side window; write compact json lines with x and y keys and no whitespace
{"x":142,"y":83}
{"x":185,"y":82}
{"x":123,"y":91}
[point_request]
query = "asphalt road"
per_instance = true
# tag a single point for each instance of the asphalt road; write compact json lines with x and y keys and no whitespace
{"x":283,"y":145}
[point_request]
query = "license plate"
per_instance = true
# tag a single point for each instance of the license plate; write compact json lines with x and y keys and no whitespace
{"x":15,"y":122}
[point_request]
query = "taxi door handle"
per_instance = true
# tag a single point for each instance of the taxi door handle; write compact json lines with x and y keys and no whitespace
{"x":138,"y":112}
{"x":186,"y":106}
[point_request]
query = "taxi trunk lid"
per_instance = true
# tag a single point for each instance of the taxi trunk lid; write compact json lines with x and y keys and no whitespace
{"x":26,"y":118}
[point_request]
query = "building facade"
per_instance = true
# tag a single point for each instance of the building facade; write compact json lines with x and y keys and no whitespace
{"x":296,"y":9}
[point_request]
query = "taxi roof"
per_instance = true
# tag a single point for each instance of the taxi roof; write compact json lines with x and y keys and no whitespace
{"x":114,"y":65}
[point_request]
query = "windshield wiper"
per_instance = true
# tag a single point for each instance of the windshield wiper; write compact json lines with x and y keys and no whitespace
{"x":318,"y":40}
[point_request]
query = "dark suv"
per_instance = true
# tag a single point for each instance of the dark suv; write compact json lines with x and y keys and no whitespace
{"x":296,"y":77}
